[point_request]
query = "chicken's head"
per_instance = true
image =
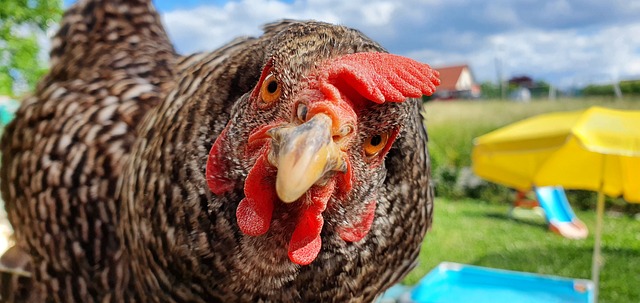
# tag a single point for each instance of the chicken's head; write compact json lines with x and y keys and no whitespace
{"x":313,"y":135}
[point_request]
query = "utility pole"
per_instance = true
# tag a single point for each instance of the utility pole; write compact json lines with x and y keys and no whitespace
{"x":616,"y":89}
{"x":498,"y":63}
{"x":552,"y":93}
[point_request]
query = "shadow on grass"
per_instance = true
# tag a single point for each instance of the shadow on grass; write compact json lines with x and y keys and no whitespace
{"x":534,"y":222}
{"x":527,"y":221}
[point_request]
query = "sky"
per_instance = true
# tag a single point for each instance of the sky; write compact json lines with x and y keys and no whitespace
{"x":567,"y":43}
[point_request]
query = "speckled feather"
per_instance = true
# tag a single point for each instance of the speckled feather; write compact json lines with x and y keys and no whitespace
{"x":103,"y":170}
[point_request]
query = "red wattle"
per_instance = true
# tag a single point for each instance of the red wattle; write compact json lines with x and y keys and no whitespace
{"x":255,"y":210}
{"x":306,"y":242}
{"x":217,"y":167}
{"x":361,"y":228}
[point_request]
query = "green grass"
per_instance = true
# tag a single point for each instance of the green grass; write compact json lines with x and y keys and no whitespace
{"x":453,"y":125}
{"x":474,"y":232}
{"x":480,"y":233}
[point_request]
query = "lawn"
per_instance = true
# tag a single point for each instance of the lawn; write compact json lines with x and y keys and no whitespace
{"x":452,"y":125}
{"x":479,"y":233}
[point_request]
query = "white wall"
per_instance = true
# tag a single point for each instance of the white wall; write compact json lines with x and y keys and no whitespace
{"x":465,"y":81}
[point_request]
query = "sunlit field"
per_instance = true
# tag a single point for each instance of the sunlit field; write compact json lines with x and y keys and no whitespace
{"x":480,"y":232}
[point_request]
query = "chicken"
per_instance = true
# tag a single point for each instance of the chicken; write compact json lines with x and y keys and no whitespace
{"x":291,"y":167}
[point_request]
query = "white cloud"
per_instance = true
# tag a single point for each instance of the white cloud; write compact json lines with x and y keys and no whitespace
{"x":378,"y":14}
{"x":208,"y":27}
{"x":564,"y":57}
{"x":556,"y":45}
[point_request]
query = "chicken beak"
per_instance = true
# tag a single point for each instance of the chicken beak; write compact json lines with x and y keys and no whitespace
{"x":304,"y":154}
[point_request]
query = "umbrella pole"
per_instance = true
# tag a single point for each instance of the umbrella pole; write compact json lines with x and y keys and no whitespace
{"x":596,"y":262}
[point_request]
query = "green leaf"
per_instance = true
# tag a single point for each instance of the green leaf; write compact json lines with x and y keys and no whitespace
{"x":21,"y":22}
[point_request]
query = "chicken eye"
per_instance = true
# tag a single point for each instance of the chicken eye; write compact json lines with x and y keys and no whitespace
{"x":374,"y":144}
{"x":270,"y":90}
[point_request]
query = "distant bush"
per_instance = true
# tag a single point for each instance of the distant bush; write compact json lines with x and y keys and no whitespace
{"x":629,"y":87}
{"x":452,"y":126}
{"x":538,"y":89}
{"x":598,"y":90}
{"x":583,"y":199}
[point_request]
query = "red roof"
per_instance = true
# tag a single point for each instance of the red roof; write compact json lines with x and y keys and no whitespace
{"x":449,"y":76}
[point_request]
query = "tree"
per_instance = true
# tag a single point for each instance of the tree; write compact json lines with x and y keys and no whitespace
{"x":630,"y":87}
{"x":490,"y":90}
{"x":598,"y":90}
{"x":21,"y":23}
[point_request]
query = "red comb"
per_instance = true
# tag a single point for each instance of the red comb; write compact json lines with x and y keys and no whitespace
{"x":381,"y":77}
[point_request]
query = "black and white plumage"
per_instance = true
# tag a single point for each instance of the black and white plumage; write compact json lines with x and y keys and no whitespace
{"x":105,"y":177}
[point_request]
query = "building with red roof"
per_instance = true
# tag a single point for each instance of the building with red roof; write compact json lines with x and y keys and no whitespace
{"x":457,"y":82}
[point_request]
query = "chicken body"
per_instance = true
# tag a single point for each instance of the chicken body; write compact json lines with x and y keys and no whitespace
{"x":104,"y":170}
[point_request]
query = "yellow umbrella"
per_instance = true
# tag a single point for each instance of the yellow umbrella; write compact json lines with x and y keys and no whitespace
{"x":596,"y":149}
